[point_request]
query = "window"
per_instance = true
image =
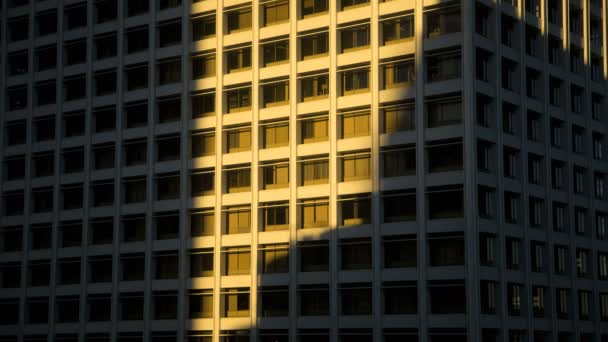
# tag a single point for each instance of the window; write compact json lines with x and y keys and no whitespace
{"x":45,"y":58}
{"x":168,"y":148}
{"x":446,"y":249}
{"x":15,"y":132}
{"x":355,"y":211}
{"x":236,"y":302}
{"x":137,"y":39}
{"x":134,"y":190}
{"x":445,"y":155}
{"x":398,"y":74}
{"x":202,"y":223}
{"x":166,"y":265}
{"x":46,"y":23}
{"x":488,"y":296}
{"x":399,"y":251}
{"x":239,"y":20}
{"x":354,"y":37}
{"x":131,"y":305}
{"x":238,"y":179}
{"x":314,"y":45}
{"x":203,"y":27}
{"x":487,"y":249}
{"x":203,"y":105}
{"x":514,"y":299}
{"x":17,"y":63}
{"x":355,"y":299}
{"x":315,"y":171}
{"x":275,"y":12}
{"x":202,"y":182}
{"x":238,"y":59}
{"x":348,"y":3}
{"x":237,"y":260}
{"x":18,"y":29}
{"x":356,"y":167}
{"x":105,"y":10}
{"x":200,"y":304}
{"x":203,"y":66}
{"x":443,"y":21}
{"x":273,"y":302}
{"x":356,"y":254}
{"x":133,"y":228}
{"x":276,"y":134}
{"x":314,"y":129}
{"x":275,"y":176}
{"x":443,"y":113}
{"x":73,"y":124}
{"x":398,"y":161}
{"x":105,"y":82}
{"x":398,"y":29}
{"x":562,"y":303}
{"x":399,"y":206}
{"x":355,"y":81}
{"x":238,"y":99}
{"x":135,"y":152}
{"x":314,"y":213}
{"x":313,"y":300}
{"x":275,"y":94}
{"x":275,"y":258}
{"x":136,"y":76}
{"x":275,"y":52}
{"x":105,"y":46}
{"x":513,"y":253}
{"x":203,"y":144}
{"x":169,"y":71}
{"x":275,"y":216}
{"x":443,"y":66}
{"x":17,"y":97}
{"x":238,"y":220}
{"x":168,"y":109}
{"x":313,"y":7}
{"x":397,"y":119}
{"x":355,"y":124}
{"x":445,"y":202}
{"x":136,"y":115}
{"x":314,"y":88}
{"x":75,"y":52}
{"x":169,"y":33}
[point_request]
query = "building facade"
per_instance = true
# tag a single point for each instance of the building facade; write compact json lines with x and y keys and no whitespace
{"x":310,"y":170}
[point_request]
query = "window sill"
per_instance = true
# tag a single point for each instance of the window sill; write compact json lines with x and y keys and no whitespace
{"x":278,"y":22}
{"x":315,"y":225}
{"x":316,"y":14}
{"x":355,"y":91}
{"x":238,"y":30}
{"x":398,"y":40}
{"x":317,"y":55}
{"x":398,"y":85}
{"x":235,"y":70}
{"x":355,"y":136}
{"x":315,"y":98}
{"x":354,"y":179}
{"x":276,"y":186}
{"x":318,"y":182}
{"x":356,"y":48}
{"x":278,"y":227}
{"x":349,"y":7}
{"x":276,"y":104}
{"x":314,"y":140}
{"x":286,"y":143}
{"x":238,"y":110}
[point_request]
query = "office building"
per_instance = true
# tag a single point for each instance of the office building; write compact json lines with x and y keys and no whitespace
{"x":306,"y":170}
